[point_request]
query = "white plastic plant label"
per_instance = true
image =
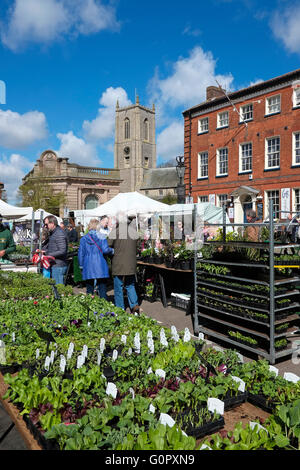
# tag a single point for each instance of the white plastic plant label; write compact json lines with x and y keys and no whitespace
{"x":114,"y":355}
{"x":2,"y":352}
{"x":102,"y":345}
{"x":47,"y":363}
{"x":37,"y":353}
{"x":240,"y":357}
{"x":149,"y":371}
{"x":291,"y":377}
{"x":124,"y":339}
{"x":151,"y":345}
{"x":132,"y":392}
{"x":111,"y":390}
{"x":52,"y":357}
{"x":149,"y":334}
{"x":258,"y":426}
{"x":70,"y":350}
{"x":62,"y":364}
{"x":166,"y":420}
{"x":214,"y":404}
{"x":241,"y":383}
{"x":205,"y":447}
{"x":274,"y":369}
{"x":187,"y":335}
{"x":137,"y":343}
{"x":160,"y":373}
{"x":151,"y":408}
{"x":201,"y":336}
{"x":99,"y":357}
{"x":174,"y":334}
{"x":84,"y":351}
{"x":163,"y":339}
{"x":129,"y":351}
{"x":13,"y":336}
{"x":80,"y":361}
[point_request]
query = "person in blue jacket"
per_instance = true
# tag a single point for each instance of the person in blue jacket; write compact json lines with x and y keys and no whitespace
{"x":92,"y":262}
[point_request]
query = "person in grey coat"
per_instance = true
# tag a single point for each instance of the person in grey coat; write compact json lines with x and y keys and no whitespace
{"x":124,"y":241}
{"x":56,"y":246}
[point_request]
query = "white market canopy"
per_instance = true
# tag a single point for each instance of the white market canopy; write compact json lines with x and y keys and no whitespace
{"x":205,"y":210}
{"x":37,"y":216}
{"x":8,"y":211}
{"x":124,"y":203}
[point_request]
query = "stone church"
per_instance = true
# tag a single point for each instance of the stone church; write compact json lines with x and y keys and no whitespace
{"x":134,"y":166}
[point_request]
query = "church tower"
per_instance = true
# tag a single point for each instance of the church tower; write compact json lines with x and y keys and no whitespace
{"x":135,"y":149}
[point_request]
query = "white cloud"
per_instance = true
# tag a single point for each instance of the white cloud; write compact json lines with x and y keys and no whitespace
{"x":170,"y":141}
{"x":285,"y":27}
{"x":103,"y":126}
{"x":21,"y":130}
{"x":77,"y":150}
{"x":12,"y":170}
{"x":186,"y":86}
{"x":36,"y":21}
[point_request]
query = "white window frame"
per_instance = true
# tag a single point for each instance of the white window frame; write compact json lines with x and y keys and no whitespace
{"x":243,"y":112}
{"x":241,"y":157}
{"x":203,"y":198}
{"x":218,"y":173}
{"x":267,"y":167}
{"x":201,"y":166}
{"x":277,"y":212}
{"x":270,"y":111}
{"x":296,"y":94}
{"x":294,"y":199}
{"x":296,"y":148}
{"x":222,"y":198}
{"x":203,"y":128}
{"x":220,"y":119}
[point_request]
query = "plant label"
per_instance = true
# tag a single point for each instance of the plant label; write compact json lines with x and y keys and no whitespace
{"x":201,"y":336}
{"x":13,"y":337}
{"x":2,"y":352}
{"x":129,"y":351}
{"x":149,"y":334}
{"x":291,"y":377}
{"x":132,"y":392}
{"x":124,"y":339}
{"x":37,"y":353}
{"x":151,"y":345}
{"x":137,"y":343}
{"x":99,"y":357}
{"x":84,"y":351}
{"x":114,"y":355}
{"x":47,"y":363}
{"x":205,"y":447}
{"x":241,"y":383}
{"x":70,"y":350}
{"x":217,"y":348}
{"x":214,"y":404}
{"x":62,"y":364}
{"x":102,"y":345}
{"x":258,"y":426}
{"x":80,"y":361}
{"x":274,"y":369}
{"x":149,"y":371}
{"x":187,"y":335}
{"x":166,"y":420}
{"x":241,"y":358}
{"x":151,"y":408}
{"x":111,"y":390}
{"x":52,"y":357}
{"x":160,"y":373}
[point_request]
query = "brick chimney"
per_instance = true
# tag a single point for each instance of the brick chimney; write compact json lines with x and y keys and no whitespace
{"x":213,"y":92}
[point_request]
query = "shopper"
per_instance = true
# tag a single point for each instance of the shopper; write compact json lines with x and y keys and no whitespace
{"x":71,"y":234}
{"x":91,"y":258}
{"x":7,"y":244}
{"x":252,"y":231}
{"x":56,"y":246}
{"x":104,"y":229}
{"x":124,"y":241}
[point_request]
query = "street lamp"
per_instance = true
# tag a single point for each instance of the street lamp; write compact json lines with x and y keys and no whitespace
{"x":180,"y":168}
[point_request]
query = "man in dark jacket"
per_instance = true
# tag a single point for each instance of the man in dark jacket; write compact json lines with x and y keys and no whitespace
{"x":57,"y":246}
{"x":7,"y":244}
{"x":124,"y":241}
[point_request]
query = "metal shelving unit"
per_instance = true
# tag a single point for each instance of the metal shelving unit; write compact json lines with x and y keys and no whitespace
{"x":216,"y":313}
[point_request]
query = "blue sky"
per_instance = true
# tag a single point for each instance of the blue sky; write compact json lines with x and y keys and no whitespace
{"x":66,"y":62}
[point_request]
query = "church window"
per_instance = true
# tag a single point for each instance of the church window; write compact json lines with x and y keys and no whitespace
{"x":146,"y":129}
{"x":127,"y":128}
{"x":91,"y":202}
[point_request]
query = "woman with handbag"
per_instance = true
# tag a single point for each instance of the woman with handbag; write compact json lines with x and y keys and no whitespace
{"x":92,"y":262}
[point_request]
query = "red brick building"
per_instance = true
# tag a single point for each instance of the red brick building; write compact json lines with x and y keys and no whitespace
{"x":244,"y":148}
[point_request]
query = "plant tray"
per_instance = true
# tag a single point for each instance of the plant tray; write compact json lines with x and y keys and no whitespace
{"x":231,"y":402}
{"x":46,"y":444}
{"x":10,"y":368}
{"x":261,"y":401}
{"x":202,"y":431}
{"x":179,"y":302}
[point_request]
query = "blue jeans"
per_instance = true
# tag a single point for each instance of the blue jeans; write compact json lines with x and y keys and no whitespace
{"x":58,"y":273}
{"x":129,"y":283}
{"x":100,"y":284}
